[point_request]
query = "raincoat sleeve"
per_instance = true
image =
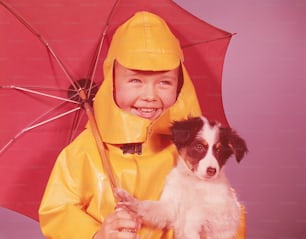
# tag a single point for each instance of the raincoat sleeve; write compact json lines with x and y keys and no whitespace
{"x":62,"y":213}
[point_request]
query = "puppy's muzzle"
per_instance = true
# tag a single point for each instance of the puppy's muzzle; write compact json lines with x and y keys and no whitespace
{"x":211,"y":171}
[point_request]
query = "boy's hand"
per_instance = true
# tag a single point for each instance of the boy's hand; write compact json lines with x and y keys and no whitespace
{"x":120,"y":224}
{"x":127,"y":201}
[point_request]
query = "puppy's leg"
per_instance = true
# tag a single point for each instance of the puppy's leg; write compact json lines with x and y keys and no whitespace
{"x":190,"y":227}
{"x":153,"y":213}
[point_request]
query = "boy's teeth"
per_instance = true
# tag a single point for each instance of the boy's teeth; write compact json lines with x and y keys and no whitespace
{"x":147,"y":110}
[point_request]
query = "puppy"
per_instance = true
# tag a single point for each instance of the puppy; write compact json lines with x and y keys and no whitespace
{"x":197,"y":198}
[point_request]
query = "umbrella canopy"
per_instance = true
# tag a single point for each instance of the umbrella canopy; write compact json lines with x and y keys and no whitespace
{"x":49,"y":50}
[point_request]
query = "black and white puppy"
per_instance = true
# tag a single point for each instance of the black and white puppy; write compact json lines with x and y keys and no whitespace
{"x":197,"y":198}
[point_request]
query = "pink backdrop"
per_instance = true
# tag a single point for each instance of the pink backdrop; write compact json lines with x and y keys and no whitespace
{"x":264,"y":88}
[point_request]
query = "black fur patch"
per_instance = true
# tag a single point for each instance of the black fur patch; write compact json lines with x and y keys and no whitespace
{"x":196,"y":151}
{"x":184,"y":132}
{"x":233,"y":143}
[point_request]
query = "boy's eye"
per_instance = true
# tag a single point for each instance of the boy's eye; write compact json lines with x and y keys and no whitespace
{"x":135,"y":80}
{"x":165,"y":82}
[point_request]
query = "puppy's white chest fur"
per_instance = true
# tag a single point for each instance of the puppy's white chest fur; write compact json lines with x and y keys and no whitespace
{"x":195,"y":206}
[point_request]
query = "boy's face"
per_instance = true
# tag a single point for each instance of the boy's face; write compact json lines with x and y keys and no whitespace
{"x":146,"y":94}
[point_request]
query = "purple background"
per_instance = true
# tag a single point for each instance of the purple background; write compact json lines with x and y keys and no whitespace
{"x":264,"y":88}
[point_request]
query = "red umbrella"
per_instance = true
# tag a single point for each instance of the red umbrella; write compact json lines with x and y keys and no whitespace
{"x":51,"y":49}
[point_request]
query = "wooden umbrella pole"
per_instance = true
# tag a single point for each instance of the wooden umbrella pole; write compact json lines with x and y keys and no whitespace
{"x":93,"y":124}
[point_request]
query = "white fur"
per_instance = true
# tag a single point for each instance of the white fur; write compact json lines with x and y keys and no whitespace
{"x":191,"y":204}
{"x":210,"y":134}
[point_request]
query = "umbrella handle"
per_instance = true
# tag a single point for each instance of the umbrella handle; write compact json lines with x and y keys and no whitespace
{"x":105,"y":162}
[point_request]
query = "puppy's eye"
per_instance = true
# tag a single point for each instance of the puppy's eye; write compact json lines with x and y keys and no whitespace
{"x":197,"y":150}
{"x":218,"y":149}
{"x":199,"y":147}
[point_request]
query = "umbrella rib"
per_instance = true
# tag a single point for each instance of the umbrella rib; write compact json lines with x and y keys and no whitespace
{"x":42,"y":40}
{"x":94,"y":68}
{"x":38,"y":93}
{"x":33,"y":126}
{"x":37,"y":88}
{"x":76,"y":124}
{"x":96,"y":60}
{"x":206,"y":41}
{"x":45,"y":114}
{"x":50,"y":120}
{"x":112,"y":12}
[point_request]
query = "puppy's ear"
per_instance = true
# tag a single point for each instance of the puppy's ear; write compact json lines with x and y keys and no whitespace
{"x":184,"y":132}
{"x":237,"y":145}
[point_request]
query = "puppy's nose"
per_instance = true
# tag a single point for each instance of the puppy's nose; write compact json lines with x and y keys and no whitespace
{"x":211,"y":171}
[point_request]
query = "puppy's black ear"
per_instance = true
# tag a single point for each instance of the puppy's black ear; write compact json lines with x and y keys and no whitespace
{"x":237,"y":145}
{"x":184,"y":132}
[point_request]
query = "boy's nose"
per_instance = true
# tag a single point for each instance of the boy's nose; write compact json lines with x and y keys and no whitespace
{"x":149,"y":93}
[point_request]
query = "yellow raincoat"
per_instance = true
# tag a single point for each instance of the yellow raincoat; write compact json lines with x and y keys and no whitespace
{"x":78,"y":196}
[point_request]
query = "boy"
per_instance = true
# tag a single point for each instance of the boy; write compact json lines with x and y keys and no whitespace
{"x":145,"y":89}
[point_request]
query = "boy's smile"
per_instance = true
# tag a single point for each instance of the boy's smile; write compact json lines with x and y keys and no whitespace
{"x":149,"y":113}
{"x":146,"y":94}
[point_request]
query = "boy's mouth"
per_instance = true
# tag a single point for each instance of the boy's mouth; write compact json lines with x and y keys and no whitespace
{"x":146,"y":112}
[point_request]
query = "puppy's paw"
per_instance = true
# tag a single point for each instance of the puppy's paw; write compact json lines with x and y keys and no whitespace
{"x":123,"y":195}
{"x":127,"y":200}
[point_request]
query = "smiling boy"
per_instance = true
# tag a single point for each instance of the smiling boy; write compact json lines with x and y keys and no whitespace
{"x":146,"y":87}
